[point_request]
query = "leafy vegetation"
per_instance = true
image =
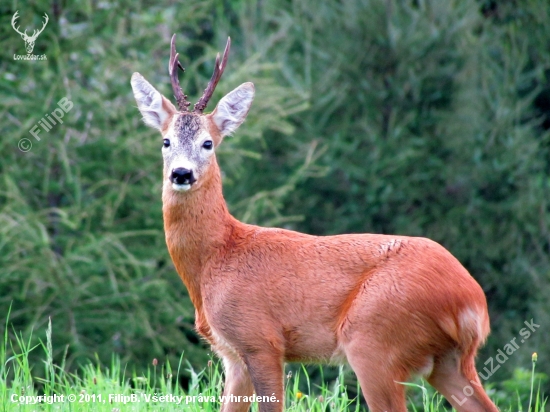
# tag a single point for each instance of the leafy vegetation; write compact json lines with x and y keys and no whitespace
{"x":422,"y":118}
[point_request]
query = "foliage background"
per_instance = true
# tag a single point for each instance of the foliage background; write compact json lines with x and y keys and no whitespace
{"x":420,"y":118}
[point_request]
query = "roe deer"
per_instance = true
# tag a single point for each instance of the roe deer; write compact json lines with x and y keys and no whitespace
{"x":390,"y":306}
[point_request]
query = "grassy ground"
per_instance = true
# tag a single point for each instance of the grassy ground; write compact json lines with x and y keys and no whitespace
{"x":115,"y":388}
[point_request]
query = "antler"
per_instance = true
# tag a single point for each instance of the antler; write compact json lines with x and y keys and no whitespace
{"x":35,"y":32}
{"x":218,"y":71}
{"x":173,"y":65}
{"x":13,"y":20}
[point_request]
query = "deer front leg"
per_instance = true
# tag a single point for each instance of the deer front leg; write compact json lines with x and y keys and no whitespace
{"x":266,"y":372}
{"x":237,"y":383}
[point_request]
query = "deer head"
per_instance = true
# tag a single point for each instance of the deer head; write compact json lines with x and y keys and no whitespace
{"x":29,"y":40}
{"x":190,"y":138}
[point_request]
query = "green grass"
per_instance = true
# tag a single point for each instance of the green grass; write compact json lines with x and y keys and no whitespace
{"x":114,"y":388}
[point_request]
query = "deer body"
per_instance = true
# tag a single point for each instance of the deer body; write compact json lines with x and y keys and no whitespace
{"x":390,"y":306}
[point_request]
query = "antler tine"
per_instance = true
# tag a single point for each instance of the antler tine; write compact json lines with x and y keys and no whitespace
{"x":14,"y":22}
{"x":173,"y":65}
{"x":216,"y":76}
{"x":46,"y":20}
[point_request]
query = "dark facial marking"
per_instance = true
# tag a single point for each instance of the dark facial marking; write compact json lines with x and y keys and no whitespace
{"x":186,"y":127}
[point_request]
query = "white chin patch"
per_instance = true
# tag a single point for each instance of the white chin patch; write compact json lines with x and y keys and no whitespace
{"x":180,"y":188}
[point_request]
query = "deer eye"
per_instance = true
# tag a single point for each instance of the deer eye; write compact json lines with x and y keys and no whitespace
{"x":208,"y":145}
{"x":166,"y":142}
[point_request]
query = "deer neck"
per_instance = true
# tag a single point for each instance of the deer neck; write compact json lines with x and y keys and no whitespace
{"x":197,"y":226}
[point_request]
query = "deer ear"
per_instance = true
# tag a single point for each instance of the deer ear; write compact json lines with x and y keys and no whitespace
{"x":231,"y":111}
{"x":156,"y":109}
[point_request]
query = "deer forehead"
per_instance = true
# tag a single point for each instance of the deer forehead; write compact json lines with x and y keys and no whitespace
{"x":187,"y":128}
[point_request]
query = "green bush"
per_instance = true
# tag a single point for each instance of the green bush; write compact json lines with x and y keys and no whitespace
{"x":421,"y":118}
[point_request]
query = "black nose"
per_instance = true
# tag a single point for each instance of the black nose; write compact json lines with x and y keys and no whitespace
{"x":181,"y":176}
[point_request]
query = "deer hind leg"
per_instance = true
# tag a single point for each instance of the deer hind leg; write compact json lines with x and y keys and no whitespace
{"x":379,"y":379}
{"x":237,"y":383}
{"x":460,"y":384}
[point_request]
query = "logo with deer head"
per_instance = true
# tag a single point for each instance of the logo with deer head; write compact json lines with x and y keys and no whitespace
{"x":29,"y":40}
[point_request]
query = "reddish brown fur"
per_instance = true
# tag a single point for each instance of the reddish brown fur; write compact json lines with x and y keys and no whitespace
{"x":168,"y":107}
{"x":389,"y":305}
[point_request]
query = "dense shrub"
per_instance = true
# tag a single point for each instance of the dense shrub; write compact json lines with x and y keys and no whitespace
{"x":421,"y":118}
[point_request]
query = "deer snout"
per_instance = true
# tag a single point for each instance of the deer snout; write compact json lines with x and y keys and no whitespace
{"x":182,"y":177}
